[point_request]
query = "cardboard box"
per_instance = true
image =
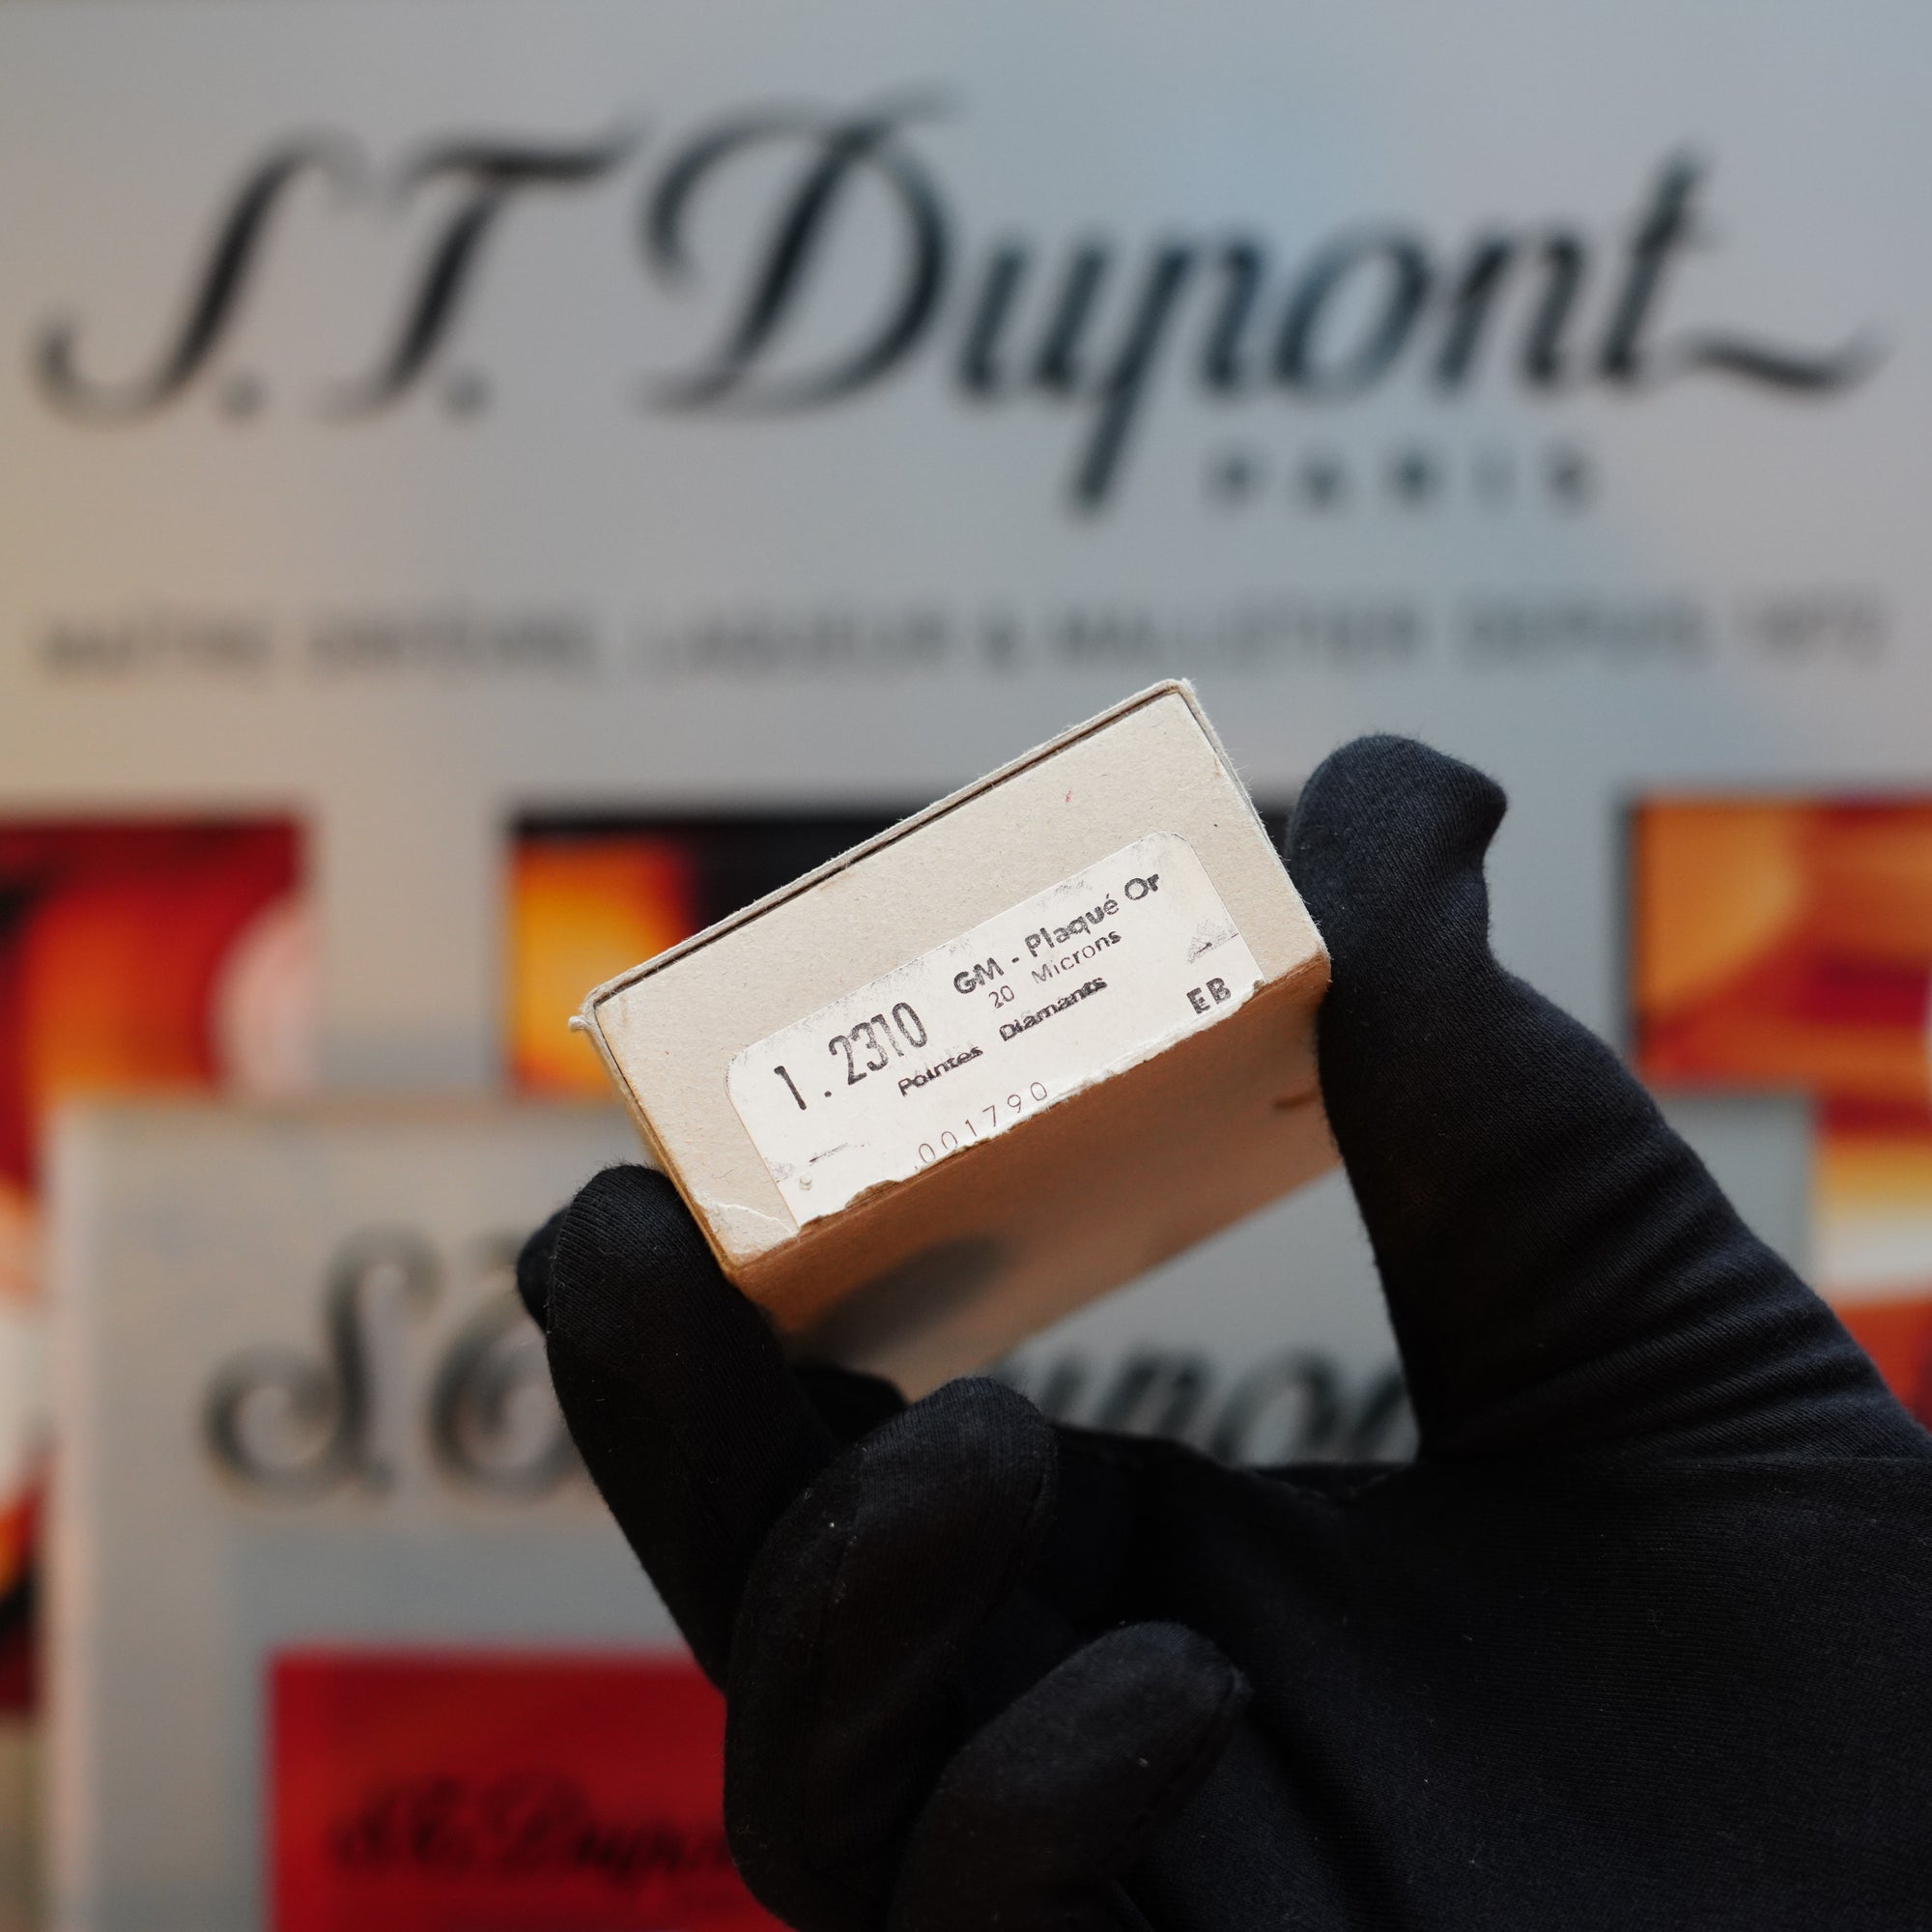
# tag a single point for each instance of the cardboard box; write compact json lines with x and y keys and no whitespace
{"x":1000,"y":1059}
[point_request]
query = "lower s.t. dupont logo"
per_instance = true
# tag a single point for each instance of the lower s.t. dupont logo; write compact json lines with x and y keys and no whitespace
{"x":741,"y":219}
{"x":297,"y":1424}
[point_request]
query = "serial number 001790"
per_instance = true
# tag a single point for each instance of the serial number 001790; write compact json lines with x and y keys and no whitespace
{"x":949,"y":1143}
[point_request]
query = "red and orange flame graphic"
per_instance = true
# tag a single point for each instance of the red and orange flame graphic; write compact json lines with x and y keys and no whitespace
{"x":1783,"y":944}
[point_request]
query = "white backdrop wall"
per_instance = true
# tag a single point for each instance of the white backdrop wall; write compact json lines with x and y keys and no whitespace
{"x":1637,"y":505}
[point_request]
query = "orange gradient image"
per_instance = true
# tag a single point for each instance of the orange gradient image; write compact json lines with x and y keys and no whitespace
{"x":583,"y":909}
{"x":589,"y":897}
{"x":1787,"y":944}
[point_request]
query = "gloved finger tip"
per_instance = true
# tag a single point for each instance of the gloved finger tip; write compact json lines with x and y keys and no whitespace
{"x":1158,"y":1696}
{"x":1365,"y":781}
{"x":1191,"y":1668}
{"x":630,"y":1270}
{"x":980,"y":1422}
{"x":985,"y":1398}
{"x":633,"y":1198}
{"x":1065,"y":1787}
{"x":535,"y":1260}
{"x":1382,"y":830}
{"x":926,"y":1521}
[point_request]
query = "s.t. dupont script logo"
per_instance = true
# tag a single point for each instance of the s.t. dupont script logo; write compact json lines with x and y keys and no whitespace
{"x":290,"y":1424}
{"x":746,"y":222}
{"x":351,"y":1411}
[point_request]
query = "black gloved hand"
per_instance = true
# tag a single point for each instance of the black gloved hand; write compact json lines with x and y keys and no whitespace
{"x":1643,"y":1637}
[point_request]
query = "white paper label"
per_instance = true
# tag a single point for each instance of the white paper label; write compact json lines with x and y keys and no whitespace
{"x":969,"y":1040}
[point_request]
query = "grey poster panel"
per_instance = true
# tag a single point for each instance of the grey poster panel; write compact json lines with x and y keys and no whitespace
{"x":295,"y":1405}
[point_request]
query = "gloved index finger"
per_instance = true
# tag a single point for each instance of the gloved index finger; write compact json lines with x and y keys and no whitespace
{"x":676,"y":1392}
{"x":1560,"y":1269}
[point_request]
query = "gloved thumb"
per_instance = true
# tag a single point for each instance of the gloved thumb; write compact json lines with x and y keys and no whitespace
{"x":1561,"y":1271}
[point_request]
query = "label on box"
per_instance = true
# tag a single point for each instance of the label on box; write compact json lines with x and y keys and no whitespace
{"x":1080,"y":981}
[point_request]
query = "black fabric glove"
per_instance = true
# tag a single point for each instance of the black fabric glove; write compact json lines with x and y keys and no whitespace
{"x":1641,"y":1639}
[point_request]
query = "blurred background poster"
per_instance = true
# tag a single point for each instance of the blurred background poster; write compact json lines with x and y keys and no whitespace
{"x":1787,"y":945}
{"x":150,"y":952}
{"x":487,"y":487}
{"x":343,"y":1632}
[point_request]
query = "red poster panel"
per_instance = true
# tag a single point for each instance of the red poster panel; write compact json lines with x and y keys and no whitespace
{"x":498,"y":1792}
{"x":137,"y":956}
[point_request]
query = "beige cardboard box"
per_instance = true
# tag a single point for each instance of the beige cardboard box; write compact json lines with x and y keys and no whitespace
{"x":997,"y":1059}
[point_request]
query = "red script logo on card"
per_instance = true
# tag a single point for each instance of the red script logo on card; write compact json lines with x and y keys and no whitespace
{"x":498,"y":1792}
